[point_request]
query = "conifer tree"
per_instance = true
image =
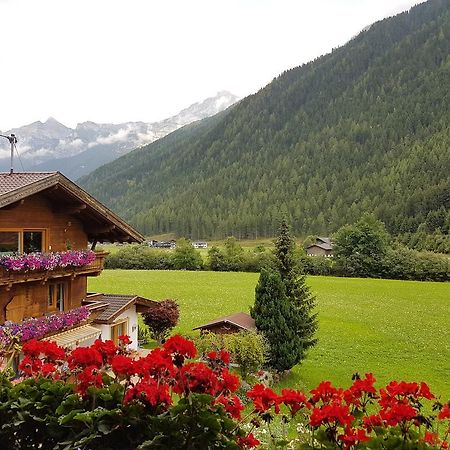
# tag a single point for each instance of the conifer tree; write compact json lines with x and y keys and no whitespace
{"x":297,"y":291}
{"x":277,"y":320}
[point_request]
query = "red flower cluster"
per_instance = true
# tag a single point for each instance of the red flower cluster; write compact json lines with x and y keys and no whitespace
{"x":150,"y":393}
{"x":150,"y":383}
{"x":263,"y":398}
{"x":232,"y":405}
{"x":248,"y":441}
{"x":180,"y":349}
{"x":89,"y":376}
{"x":41,"y":358}
{"x":361,"y":391}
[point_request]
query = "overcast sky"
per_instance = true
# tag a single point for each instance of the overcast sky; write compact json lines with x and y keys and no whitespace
{"x":128,"y":60}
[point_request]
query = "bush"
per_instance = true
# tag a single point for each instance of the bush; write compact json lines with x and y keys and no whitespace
{"x":405,"y":264}
{"x":248,"y":349}
{"x":162,"y":319}
{"x":139,"y":257}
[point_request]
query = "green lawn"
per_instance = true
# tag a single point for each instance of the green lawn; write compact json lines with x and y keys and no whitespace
{"x":396,"y":329}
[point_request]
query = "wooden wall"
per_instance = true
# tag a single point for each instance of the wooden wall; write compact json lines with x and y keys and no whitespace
{"x":36,"y":212}
{"x":30,"y":299}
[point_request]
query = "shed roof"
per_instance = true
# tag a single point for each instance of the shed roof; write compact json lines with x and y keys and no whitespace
{"x":241,"y":320}
{"x":100,"y":223}
{"x":322,"y":246}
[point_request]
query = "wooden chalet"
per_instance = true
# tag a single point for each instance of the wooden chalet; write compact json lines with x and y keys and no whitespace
{"x":47,"y":213}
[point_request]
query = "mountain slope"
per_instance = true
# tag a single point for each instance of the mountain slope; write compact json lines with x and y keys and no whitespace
{"x":52,"y":146}
{"x":365,"y":128}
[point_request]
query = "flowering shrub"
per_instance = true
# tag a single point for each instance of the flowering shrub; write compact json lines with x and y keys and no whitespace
{"x":104,"y":397}
{"x":47,"y":261}
{"x":36,"y":328}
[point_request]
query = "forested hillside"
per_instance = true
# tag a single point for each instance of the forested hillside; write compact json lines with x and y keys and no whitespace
{"x":365,"y":128}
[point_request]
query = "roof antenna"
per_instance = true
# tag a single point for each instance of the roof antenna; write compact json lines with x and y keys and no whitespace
{"x":12,"y":140}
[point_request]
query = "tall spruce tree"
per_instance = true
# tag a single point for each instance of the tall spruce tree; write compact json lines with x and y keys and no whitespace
{"x":297,"y":291}
{"x":277,"y":320}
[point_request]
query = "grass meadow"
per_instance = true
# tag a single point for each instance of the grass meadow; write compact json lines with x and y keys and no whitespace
{"x":395,"y":329}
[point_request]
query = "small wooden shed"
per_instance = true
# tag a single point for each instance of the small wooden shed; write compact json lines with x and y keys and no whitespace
{"x":229,"y":324}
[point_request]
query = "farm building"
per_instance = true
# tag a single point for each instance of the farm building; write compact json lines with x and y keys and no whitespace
{"x":200,"y":244}
{"x":46,"y":222}
{"x":322,"y":247}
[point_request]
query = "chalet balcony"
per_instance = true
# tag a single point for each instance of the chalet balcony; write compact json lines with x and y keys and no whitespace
{"x":10,"y":277}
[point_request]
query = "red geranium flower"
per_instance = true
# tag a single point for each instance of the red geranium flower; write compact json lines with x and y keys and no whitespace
{"x":331,"y":414}
{"x":122,"y":365}
{"x":444,"y":413}
{"x":157,"y":364}
{"x":125,"y":340}
{"x":370,"y":422}
{"x":263,"y":398}
{"x":32,"y":348}
{"x":294,"y":400}
{"x":229,"y":382}
{"x":151,"y":393}
{"x":107,"y":349}
{"x":247,"y":442}
{"x":224,"y":356}
{"x":89,"y":376}
{"x":47,"y":369}
{"x":326,"y":392}
{"x":397,"y":413}
{"x":52,"y":351}
{"x":360,"y":387}
{"x":30,"y":366}
{"x":85,"y":357}
{"x":179,"y":348}
{"x":198,"y":378}
{"x":233,"y":405}
{"x":353,"y":437}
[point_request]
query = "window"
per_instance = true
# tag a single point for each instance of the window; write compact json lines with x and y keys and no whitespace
{"x":32,"y":241}
{"x":118,"y":330}
{"x":9,"y":241}
{"x":56,"y":296}
{"x":22,"y":241}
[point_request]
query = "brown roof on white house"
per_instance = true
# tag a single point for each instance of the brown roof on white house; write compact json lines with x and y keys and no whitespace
{"x":115,"y":304}
{"x":100,"y":223}
{"x":241,"y":320}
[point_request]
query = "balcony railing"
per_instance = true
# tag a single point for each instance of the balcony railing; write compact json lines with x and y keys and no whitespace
{"x":10,"y":277}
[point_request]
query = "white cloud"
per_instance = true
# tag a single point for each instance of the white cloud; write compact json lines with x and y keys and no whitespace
{"x":113,"y":61}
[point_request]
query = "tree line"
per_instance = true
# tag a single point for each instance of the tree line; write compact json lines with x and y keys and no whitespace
{"x":362,"y":249}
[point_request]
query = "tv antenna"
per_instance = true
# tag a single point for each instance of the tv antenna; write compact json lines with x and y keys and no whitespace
{"x":13,"y":141}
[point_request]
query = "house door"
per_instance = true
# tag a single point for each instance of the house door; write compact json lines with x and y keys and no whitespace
{"x":118,"y":330}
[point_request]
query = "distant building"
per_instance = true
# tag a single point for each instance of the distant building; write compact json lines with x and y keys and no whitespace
{"x":200,"y":244}
{"x":229,"y":324}
{"x":162,"y":244}
{"x":322,"y":247}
